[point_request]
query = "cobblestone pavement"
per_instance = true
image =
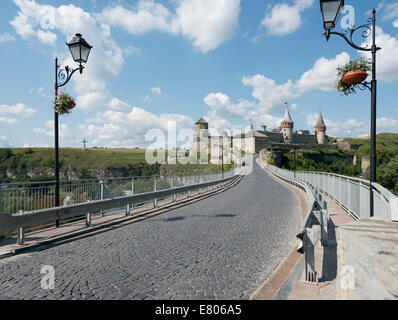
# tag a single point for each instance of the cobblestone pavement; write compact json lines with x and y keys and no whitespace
{"x":222,"y":247}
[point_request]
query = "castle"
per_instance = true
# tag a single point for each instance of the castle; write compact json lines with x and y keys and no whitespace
{"x":256,"y":140}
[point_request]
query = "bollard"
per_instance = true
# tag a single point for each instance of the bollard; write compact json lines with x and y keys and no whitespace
{"x":0,"y":202}
{"x":88,"y":220}
{"x":21,"y":236}
{"x":127,"y":210}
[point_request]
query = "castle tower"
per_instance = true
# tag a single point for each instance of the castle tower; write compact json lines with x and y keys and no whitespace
{"x":287,"y":127}
{"x":202,"y":128}
{"x":201,"y":139}
{"x":320,"y":130}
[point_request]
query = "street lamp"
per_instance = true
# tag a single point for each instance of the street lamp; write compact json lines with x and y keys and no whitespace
{"x":80,"y":51}
{"x":330,"y":13}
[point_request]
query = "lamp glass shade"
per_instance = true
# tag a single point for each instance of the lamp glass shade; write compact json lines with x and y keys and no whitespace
{"x":330,"y":12}
{"x":79,"y":49}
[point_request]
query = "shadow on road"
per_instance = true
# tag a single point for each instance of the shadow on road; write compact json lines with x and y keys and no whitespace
{"x":200,"y":216}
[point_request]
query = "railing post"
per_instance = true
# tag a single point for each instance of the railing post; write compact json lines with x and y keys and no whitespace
{"x":21,"y":236}
{"x":132,"y":191}
{"x":88,"y":220}
{"x":155,"y":203}
{"x":102,"y":193}
{"x":172,"y":186}
{"x":309,"y":256}
{"x":189,"y":193}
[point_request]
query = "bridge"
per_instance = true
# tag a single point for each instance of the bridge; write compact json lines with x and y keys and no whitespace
{"x":222,"y":242}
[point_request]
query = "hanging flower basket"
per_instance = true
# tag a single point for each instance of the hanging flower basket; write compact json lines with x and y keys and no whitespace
{"x":351,"y":74}
{"x":354,"y":77}
{"x":64,"y":103}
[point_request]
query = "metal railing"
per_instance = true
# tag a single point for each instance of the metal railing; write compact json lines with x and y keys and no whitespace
{"x":175,"y":186}
{"x":31,"y":196}
{"x":315,"y":223}
{"x":352,"y":194}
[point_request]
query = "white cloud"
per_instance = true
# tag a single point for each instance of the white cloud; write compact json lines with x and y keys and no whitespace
{"x":207,"y":23}
{"x":389,"y":10}
{"x":284,"y":19}
{"x":272,"y":96}
{"x":5,"y":120}
{"x":6,"y":37}
{"x":4,"y":143}
{"x":387,"y":62}
{"x":18,"y":109}
{"x":385,"y":124}
{"x":116,"y":128}
{"x":131,"y":50}
{"x":34,"y":21}
{"x":323,"y":74}
{"x":354,"y":127}
{"x":395,"y":23}
{"x":156,"y":91}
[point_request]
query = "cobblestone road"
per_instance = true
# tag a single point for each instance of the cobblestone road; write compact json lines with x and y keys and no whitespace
{"x":222,"y":247}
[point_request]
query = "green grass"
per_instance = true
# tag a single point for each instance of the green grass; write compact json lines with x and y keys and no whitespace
{"x":129,"y":162}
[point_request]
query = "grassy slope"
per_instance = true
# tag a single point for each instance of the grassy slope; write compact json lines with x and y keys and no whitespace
{"x":133,"y":160}
{"x":77,"y":158}
{"x":384,"y":141}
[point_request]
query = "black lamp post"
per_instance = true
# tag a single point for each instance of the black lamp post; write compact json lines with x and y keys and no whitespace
{"x":331,"y":10}
{"x":80,"y":50}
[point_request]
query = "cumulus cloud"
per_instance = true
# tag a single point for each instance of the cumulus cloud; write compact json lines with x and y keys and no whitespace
{"x":37,"y":21}
{"x":18,"y":109}
{"x":6,"y":120}
{"x":156,"y":91}
{"x":283,"y":18}
{"x":113,"y":128}
{"x":4,"y":143}
{"x":6,"y":37}
{"x":206,"y":23}
{"x":354,"y":127}
{"x":322,"y":76}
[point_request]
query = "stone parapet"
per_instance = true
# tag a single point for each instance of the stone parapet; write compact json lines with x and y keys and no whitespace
{"x":367,"y":258}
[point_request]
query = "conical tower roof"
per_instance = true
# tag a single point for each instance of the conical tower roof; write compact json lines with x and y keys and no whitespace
{"x":320,"y":122}
{"x":287,"y":118}
{"x":201,"y":121}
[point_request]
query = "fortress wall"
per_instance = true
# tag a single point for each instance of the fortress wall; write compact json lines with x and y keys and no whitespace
{"x":304,"y":138}
{"x":275,"y":136}
{"x":262,"y":143}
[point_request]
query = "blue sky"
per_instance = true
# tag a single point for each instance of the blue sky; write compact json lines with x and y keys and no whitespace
{"x":154,"y":62}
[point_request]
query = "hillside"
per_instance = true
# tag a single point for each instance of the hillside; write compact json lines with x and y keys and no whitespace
{"x":385,"y":142}
{"x":27,"y":164}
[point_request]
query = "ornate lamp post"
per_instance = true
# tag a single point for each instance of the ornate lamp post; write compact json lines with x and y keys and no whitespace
{"x":80,"y":51}
{"x":331,"y":10}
